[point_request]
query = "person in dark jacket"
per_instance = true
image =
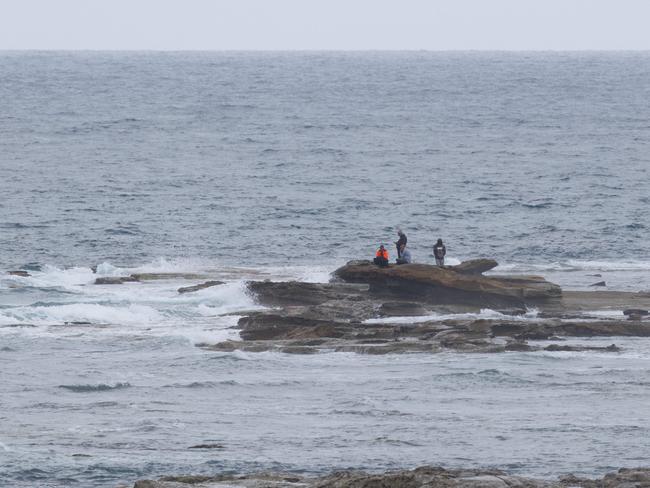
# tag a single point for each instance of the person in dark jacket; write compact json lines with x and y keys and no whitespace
{"x":401,"y":243}
{"x":439,"y":251}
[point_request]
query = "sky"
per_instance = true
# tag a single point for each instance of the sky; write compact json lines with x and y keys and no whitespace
{"x":325,"y":24}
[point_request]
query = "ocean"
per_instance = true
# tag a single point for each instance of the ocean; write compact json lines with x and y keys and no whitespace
{"x":242,"y":165}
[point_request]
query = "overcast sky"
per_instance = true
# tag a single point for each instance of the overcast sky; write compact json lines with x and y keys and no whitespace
{"x":325,"y":24}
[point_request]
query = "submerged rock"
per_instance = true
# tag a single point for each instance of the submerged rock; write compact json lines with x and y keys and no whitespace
{"x":21,"y":273}
{"x":201,"y":286}
{"x":207,"y":446}
{"x":115,"y":280}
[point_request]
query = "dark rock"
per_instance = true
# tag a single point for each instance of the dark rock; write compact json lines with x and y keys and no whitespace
{"x":518,"y":346}
{"x":207,"y":446}
{"x":600,"y":283}
{"x":166,"y":276}
{"x":22,"y":273}
{"x":635,"y":311}
{"x":114,"y":280}
{"x":604,"y":328}
{"x":271,"y":326}
{"x":557,"y":347}
{"x":474,"y":266}
{"x":150,"y":484}
{"x":201,"y":286}
{"x":402,"y":309}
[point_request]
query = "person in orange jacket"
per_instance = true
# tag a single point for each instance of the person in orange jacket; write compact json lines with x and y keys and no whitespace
{"x":381,"y":257}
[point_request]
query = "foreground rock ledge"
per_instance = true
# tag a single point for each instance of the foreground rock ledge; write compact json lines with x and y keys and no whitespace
{"x":354,"y":313}
{"x":429,"y":477}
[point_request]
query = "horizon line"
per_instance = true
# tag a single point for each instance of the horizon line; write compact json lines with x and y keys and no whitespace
{"x":369,"y":50}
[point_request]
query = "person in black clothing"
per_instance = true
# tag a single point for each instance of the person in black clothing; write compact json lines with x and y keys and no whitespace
{"x":401,"y":243}
{"x":439,"y":252}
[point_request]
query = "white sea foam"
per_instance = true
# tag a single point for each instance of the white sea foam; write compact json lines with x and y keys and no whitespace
{"x":68,"y":278}
{"x":82,"y":312}
{"x":152,"y":308}
{"x":605,"y":314}
{"x":199,"y":335}
{"x":486,"y":313}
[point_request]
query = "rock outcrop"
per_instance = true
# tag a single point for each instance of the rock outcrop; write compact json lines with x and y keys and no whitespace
{"x":446,"y":285}
{"x":423,"y":477}
{"x":368,"y":313}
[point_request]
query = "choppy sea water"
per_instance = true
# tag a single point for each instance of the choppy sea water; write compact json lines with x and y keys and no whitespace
{"x":283,"y":166}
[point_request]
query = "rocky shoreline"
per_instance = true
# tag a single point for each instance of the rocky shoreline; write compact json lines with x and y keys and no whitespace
{"x":363,"y":309}
{"x":423,"y":477}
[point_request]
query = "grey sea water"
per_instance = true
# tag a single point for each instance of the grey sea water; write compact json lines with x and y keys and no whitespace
{"x":245,"y":166}
{"x":273,"y":158}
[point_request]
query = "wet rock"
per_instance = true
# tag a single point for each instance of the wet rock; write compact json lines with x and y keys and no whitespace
{"x":270,"y":326}
{"x":603,"y":328}
{"x":21,"y":273}
{"x":114,"y":280}
{"x":273,"y":293}
{"x":600,"y":283}
{"x":201,"y":286}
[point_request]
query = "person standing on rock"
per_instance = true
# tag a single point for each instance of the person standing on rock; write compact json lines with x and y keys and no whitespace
{"x":381,"y":257}
{"x":401,"y":243}
{"x":439,"y":251}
